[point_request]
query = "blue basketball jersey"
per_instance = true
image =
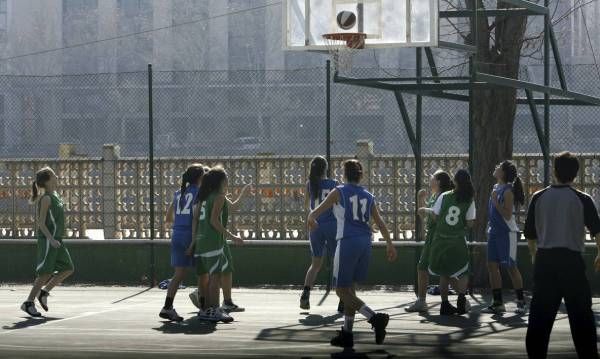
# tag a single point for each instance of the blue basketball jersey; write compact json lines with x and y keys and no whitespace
{"x":183,"y":208}
{"x":325,"y":186}
{"x":496,"y":223}
{"x":353,"y":211}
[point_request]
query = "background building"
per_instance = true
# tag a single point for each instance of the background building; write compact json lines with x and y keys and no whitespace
{"x":251,"y":96}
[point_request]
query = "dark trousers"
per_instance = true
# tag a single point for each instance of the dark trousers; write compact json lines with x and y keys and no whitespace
{"x":559,"y":274}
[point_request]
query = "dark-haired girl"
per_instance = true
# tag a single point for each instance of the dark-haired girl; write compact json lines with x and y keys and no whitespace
{"x":210,"y":242}
{"x":180,"y":214}
{"x":353,"y":207}
{"x":503,"y":233}
{"x":54,"y":263}
{"x":323,"y":238}
{"x":453,"y":212}
{"x":439,"y":183}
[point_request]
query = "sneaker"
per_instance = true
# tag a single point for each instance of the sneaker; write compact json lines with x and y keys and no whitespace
{"x":521,"y":307}
{"x":305,"y":300}
{"x":340,"y":307}
{"x":43,"y":299}
{"x":207,"y":315}
{"x":447,"y":309}
{"x":462,"y":305}
{"x":495,"y":308}
{"x":379,"y":322}
{"x":223,"y":316}
{"x":419,"y":306}
{"x":231,"y":307}
{"x":170,"y":314}
{"x":343,"y":339}
{"x":29,"y":308}
{"x":195,"y":298}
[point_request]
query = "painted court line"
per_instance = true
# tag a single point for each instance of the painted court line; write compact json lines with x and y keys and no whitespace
{"x":84,"y":315}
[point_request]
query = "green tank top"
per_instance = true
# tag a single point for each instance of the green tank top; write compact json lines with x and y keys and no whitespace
{"x":55,"y":219}
{"x":430,"y":223}
{"x":207,"y":237}
{"x":452,"y":220}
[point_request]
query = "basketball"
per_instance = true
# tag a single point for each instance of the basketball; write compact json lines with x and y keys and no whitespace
{"x":346,"y":20}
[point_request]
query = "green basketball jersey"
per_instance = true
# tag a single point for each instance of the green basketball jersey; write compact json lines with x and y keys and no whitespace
{"x":452,"y":216}
{"x":207,"y":237}
{"x":55,"y":219}
{"x":430,"y":223}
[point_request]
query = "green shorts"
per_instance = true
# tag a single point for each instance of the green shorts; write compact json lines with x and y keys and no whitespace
{"x":217,"y":261}
{"x":449,"y":257}
{"x":51,"y":260}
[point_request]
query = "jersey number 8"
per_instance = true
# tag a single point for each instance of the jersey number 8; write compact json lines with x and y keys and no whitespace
{"x":453,"y":216}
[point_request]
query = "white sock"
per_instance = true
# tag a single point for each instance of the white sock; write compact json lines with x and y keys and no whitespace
{"x":366,"y":311}
{"x":348,"y":323}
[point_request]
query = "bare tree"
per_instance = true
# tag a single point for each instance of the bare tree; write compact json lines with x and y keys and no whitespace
{"x":502,"y":43}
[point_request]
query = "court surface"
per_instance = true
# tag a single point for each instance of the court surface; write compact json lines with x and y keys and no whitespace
{"x":123,"y":322}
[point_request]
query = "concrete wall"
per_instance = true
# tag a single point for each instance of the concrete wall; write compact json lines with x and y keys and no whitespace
{"x":127,"y":262}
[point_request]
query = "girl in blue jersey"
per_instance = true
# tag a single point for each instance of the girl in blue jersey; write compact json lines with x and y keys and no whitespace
{"x":503,"y":233}
{"x":353,"y":207}
{"x":323,"y":238}
{"x":180,"y":214}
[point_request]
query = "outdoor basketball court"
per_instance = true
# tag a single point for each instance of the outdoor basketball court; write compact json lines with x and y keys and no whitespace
{"x":122,"y":322}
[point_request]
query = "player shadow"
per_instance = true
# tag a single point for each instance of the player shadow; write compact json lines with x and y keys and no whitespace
{"x":351,"y":353}
{"x":457,"y":321}
{"x":315,"y":320}
{"x":191,"y":326}
{"x":29,"y":322}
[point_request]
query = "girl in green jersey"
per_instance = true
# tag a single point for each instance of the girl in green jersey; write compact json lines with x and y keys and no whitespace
{"x":53,"y":260}
{"x":454,"y":213}
{"x":210,"y":243}
{"x":439,"y":183}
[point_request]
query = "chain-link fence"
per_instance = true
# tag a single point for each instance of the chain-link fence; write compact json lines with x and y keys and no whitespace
{"x":263,"y":125}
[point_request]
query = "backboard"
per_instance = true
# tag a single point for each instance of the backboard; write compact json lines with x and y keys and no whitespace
{"x":387,"y":23}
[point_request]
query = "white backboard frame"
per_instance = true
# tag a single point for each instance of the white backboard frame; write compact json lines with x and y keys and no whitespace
{"x":315,"y":42}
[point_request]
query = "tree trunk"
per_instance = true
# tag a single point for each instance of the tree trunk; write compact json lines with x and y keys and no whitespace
{"x":494,"y":113}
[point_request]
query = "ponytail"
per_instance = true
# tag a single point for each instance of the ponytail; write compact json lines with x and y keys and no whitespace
{"x":34,"y":192}
{"x":41,"y":177}
{"x":318,"y":167}
{"x":518,"y":192}
{"x":464,"y":187}
{"x":191,"y":176}
{"x":512,"y":177}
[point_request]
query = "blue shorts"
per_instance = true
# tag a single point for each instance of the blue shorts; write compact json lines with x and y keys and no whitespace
{"x":502,"y":248}
{"x":179,"y":244}
{"x":351,"y":261}
{"x":323,"y":237}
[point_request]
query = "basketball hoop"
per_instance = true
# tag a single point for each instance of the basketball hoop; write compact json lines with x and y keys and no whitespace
{"x":343,"y":46}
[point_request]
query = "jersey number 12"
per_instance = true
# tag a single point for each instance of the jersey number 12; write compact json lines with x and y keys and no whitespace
{"x":188,"y":204}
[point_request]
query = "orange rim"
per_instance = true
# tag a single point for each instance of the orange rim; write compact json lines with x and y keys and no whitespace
{"x":354,"y":40}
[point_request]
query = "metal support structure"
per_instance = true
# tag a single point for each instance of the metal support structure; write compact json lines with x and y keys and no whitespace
{"x":328,"y":115}
{"x":557,"y":59}
{"x":418,"y":159}
{"x":432,"y":67}
{"x":406,"y":119}
{"x":537,"y":122}
{"x":547,"y":26}
{"x":418,"y":143}
{"x":151,"y":176}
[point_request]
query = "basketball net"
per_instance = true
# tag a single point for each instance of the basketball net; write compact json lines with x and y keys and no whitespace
{"x":342,"y":47}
